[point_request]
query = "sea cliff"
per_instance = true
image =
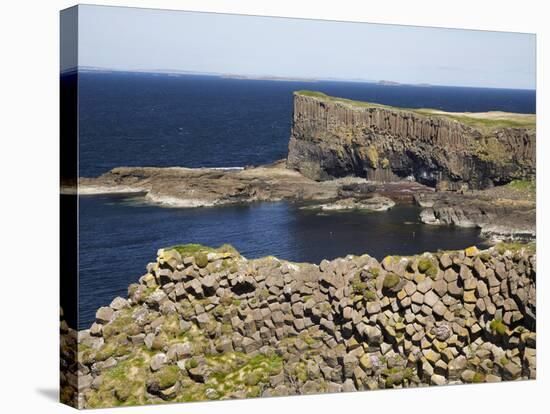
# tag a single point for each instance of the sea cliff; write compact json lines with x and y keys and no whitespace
{"x":346,"y":155}
{"x":208,"y":324}
{"x":334,"y":137}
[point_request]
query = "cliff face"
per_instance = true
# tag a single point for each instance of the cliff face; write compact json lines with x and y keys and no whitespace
{"x":333,"y":137}
{"x":206,"y":324}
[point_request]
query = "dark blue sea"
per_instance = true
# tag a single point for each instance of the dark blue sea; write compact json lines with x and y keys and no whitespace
{"x":129,"y":119}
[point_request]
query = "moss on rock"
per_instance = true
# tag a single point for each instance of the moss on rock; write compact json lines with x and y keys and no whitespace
{"x":201,"y":259}
{"x":498,"y":327}
{"x":167,"y":376}
{"x":372,"y":155}
{"x":428,"y":267}
{"x":391,"y":280}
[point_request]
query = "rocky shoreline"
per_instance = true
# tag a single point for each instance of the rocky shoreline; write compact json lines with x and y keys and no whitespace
{"x":500,"y":217}
{"x":204,"y":187}
{"x":347,"y":155}
{"x":208,"y":324}
{"x":502,"y":213}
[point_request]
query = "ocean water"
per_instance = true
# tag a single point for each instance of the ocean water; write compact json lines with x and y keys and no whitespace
{"x":119,"y":235}
{"x":194,"y":121}
{"x":204,"y":121}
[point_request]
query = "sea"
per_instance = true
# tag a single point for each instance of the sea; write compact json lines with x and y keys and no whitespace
{"x":161,"y":120}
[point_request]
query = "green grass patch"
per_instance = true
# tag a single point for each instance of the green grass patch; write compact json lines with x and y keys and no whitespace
{"x":529,"y":186}
{"x":167,"y":376}
{"x":192,"y":249}
{"x":191,"y":363}
{"x":428,"y":266}
{"x":374,"y":271}
{"x":515,"y":247}
{"x":498,"y":327}
{"x":372,"y":155}
{"x":478,"y":378}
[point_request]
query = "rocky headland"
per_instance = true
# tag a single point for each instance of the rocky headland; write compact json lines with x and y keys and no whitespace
{"x":335,"y":137}
{"x":463,"y":169}
{"x":208,"y":324}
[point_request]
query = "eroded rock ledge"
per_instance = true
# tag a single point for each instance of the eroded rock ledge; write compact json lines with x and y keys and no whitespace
{"x":335,"y":137}
{"x":206,"y":187}
{"x":501,"y":213}
{"x":206,"y":324}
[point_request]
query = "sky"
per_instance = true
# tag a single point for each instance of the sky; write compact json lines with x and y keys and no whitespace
{"x":151,"y":40}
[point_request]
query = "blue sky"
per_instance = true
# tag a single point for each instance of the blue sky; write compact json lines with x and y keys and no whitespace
{"x":143,"y":39}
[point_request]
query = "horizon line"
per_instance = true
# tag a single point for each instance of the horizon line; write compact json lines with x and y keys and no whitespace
{"x":277,"y":78}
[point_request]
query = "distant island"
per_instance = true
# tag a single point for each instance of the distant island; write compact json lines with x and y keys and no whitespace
{"x":389,"y":83}
{"x":394,"y":83}
{"x":267,"y":77}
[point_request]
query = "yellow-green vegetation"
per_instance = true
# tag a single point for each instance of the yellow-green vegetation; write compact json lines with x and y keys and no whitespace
{"x":238,"y":372}
{"x":391,"y":280}
{"x":124,"y":384}
{"x":321,"y":95}
{"x":358,"y":285}
{"x":361,"y":288}
{"x":122,"y":324}
{"x":191,"y":363}
{"x":201,"y":259}
{"x":128,"y":382}
{"x":478,"y":377}
{"x":166,"y":376}
{"x":503,"y":361}
{"x":200,"y":252}
{"x":471,"y":251}
{"x":515,"y":247}
{"x":483,"y":121}
{"x":498,"y":327}
{"x":525,"y":186}
{"x":192,"y":249}
{"x":487,"y":121}
{"x":109,"y":350}
{"x":372,"y":155}
{"x":428,"y":266}
{"x":396,"y":375}
{"x":484,"y":256}
{"x":492,"y":150}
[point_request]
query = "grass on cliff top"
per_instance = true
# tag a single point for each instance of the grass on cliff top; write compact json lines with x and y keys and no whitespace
{"x":194,"y":248}
{"x":484,"y":121}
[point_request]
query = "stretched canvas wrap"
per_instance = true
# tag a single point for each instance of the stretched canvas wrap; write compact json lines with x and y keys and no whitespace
{"x":260,"y":206}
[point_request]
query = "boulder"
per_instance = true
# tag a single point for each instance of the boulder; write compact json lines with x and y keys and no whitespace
{"x":157,"y":361}
{"x":104,"y":315}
